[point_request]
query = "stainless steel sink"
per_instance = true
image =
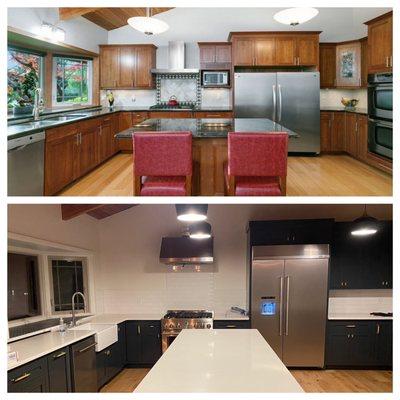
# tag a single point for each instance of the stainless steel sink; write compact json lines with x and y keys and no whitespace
{"x":64,"y":117}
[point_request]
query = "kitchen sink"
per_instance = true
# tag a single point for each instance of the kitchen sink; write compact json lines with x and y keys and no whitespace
{"x":64,"y":117}
{"x":106,"y":334}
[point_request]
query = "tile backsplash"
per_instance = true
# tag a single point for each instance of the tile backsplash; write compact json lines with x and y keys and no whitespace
{"x":332,"y":97}
{"x":130,"y":98}
{"x":360,"y":301}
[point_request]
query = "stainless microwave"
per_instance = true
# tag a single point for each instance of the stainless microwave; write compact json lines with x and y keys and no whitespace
{"x":215,"y":78}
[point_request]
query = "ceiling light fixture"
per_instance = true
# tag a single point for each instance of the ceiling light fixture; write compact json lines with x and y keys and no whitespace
{"x":200,"y":230}
{"x":365,"y":225}
{"x":52,"y":32}
{"x":191,"y":212}
{"x":295,"y":16}
{"x":148,"y":24}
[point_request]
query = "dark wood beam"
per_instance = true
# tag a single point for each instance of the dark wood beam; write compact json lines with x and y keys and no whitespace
{"x":98,"y":211}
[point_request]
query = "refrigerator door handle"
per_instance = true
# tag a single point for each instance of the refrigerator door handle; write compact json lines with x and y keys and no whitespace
{"x":280,"y":103}
{"x":274,"y":102}
{"x":287,"y":304}
{"x":281,"y":306}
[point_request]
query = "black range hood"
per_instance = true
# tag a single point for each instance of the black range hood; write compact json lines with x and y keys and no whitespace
{"x":184,"y":250}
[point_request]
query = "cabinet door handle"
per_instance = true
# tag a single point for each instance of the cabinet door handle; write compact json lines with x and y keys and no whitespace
{"x":348,"y":336}
{"x":350,"y":326}
{"x":387,"y":62}
{"x":352,"y":336}
{"x":21,"y":378}
{"x":77,"y":139}
{"x":383,"y":283}
{"x":356,"y":126}
{"x":391,"y":61}
{"x":87,"y":348}
{"x":138,"y":329}
{"x":378,"y":329}
{"x":287,"y":305}
{"x":107,"y":353}
{"x":63,"y":353}
{"x":231,"y":326}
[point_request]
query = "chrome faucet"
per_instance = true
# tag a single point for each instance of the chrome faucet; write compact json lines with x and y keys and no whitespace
{"x":37,"y":104}
{"x":73,"y":322}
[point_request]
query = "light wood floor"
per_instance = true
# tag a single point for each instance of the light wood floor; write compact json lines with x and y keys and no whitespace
{"x":325,"y":381}
{"x":326,"y":175}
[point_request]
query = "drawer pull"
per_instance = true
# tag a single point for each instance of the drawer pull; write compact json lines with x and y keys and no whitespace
{"x":350,"y":326}
{"x":151,"y":326}
{"x":107,"y":353}
{"x":22,"y":377}
{"x":87,"y":348}
{"x":63,"y":353}
{"x":378,"y":329}
{"x":231,"y":326}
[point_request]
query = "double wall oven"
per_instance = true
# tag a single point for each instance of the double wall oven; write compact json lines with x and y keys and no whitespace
{"x":380,"y":114}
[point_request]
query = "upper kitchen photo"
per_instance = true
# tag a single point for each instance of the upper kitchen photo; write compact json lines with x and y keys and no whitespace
{"x":200,"y":101}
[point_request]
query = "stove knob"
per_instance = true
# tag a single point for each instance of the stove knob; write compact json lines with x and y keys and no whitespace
{"x":171,"y":326}
{"x":187,"y":324}
{"x":179,"y":325}
{"x":208,"y":326}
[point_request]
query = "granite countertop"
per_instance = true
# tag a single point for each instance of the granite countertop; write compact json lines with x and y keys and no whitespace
{"x":207,"y":128}
{"x":357,"y":110}
{"x":219,"y":361}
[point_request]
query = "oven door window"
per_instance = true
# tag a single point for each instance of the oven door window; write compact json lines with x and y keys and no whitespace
{"x":384,"y":136}
{"x":383,"y":99}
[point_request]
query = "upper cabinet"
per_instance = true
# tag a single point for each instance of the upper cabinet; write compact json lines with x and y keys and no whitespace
{"x":348,"y":64}
{"x":327,"y":65}
{"x":380,"y":44}
{"x":275,"y":49}
{"x":215,"y":55}
{"x":127,"y":66}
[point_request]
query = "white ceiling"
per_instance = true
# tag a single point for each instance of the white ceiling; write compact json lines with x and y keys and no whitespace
{"x":214,"y":24}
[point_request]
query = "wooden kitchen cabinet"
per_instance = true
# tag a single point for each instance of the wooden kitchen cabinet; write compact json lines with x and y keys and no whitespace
{"x":327,"y":65}
{"x":213,"y":114}
{"x":170,"y":114}
{"x":380,"y":44}
{"x":127,"y":66}
{"x":215,"y":55}
{"x":364,"y":62}
{"x":348,"y":64}
{"x":333,"y":129}
{"x":362,"y":137}
{"x":275,"y":48}
{"x":87,"y":157}
{"x":107,"y":145}
{"x":143,"y":342}
{"x":351,"y":138}
{"x":325,"y":129}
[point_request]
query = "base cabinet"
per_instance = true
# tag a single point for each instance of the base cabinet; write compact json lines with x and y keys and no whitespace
{"x":143,"y":342}
{"x":231,"y":324}
{"x":359,"y":344}
{"x":108,"y":363}
{"x":59,"y":371}
{"x":31,"y":377}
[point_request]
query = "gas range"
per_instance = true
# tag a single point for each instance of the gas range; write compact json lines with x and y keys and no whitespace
{"x":176,"y":320}
{"x":167,"y":107}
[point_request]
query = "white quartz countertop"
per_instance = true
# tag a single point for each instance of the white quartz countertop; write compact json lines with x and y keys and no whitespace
{"x":219,"y":361}
{"x":118,"y":318}
{"x":356,"y":316}
{"x":37,"y":346}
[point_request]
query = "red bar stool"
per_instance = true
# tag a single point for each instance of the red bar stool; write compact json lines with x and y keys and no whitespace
{"x":162,"y":163}
{"x":257,"y":164}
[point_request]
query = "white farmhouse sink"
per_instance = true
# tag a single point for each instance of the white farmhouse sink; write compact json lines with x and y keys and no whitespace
{"x":106,"y":334}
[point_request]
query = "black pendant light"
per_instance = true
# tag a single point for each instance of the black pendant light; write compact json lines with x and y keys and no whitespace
{"x":191,"y":212}
{"x":200,"y":230}
{"x":364,"y":225}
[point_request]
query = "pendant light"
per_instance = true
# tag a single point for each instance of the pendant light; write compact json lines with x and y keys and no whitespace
{"x":364,"y":225}
{"x":191,"y":212}
{"x":148,"y":24}
{"x":295,"y":16}
{"x":200,"y":230}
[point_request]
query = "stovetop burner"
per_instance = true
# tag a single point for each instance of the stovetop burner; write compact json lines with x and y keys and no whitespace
{"x":190,"y":314}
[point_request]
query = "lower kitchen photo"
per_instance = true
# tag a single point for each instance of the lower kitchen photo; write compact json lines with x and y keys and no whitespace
{"x":197,"y":298}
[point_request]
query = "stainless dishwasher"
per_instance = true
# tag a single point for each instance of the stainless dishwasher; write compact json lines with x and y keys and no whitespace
{"x":26,"y":165}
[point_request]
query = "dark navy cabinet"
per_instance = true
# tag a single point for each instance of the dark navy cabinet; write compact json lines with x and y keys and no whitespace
{"x":143,"y":342}
{"x":122,"y":342}
{"x":361,"y":262}
{"x":308,"y":231}
{"x":359,"y":344}
{"x":31,"y":377}
{"x":59,"y":371}
{"x":231,"y":324}
{"x":108,"y":363}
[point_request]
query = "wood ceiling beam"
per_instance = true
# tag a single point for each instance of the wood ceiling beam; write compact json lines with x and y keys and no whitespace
{"x":73,"y":12}
{"x":98,"y":211}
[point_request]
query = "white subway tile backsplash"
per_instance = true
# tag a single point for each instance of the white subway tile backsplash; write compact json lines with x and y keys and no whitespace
{"x":332,"y":97}
{"x":130,"y":98}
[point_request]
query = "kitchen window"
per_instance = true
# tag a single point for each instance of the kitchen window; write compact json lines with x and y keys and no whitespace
{"x":67,"y":276}
{"x":24,"y":75}
{"x":72,"y":81}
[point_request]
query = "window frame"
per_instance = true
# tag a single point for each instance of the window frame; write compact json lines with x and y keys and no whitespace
{"x":85,"y":268}
{"x":42,"y":56}
{"x":54,"y":81}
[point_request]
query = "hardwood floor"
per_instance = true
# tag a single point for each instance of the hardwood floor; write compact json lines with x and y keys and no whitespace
{"x":326,"y":175}
{"x":350,"y":381}
{"x":325,"y":381}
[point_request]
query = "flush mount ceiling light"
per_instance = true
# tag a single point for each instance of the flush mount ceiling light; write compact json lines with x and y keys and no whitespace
{"x":295,"y":16}
{"x":148,"y":24}
{"x":191,"y":212}
{"x":52,"y":32}
{"x":200,"y":230}
{"x":365,"y":225}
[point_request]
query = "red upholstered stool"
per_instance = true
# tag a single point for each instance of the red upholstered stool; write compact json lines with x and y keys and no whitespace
{"x":162,"y":163}
{"x":257,"y":164}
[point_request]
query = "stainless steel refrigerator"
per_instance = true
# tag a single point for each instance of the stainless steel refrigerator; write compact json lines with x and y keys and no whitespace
{"x":291,"y":99}
{"x":289,"y":296}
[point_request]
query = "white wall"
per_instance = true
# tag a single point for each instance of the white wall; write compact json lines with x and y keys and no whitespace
{"x":79,"y":32}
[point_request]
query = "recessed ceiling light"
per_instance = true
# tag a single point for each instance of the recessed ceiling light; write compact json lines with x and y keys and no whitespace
{"x":295,"y":16}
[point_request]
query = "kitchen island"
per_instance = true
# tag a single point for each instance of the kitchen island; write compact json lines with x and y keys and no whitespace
{"x":219,"y":361}
{"x":210,"y":147}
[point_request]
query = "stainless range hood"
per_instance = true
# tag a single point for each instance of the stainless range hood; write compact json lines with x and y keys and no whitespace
{"x":185,"y":251}
{"x":176,"y":60}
